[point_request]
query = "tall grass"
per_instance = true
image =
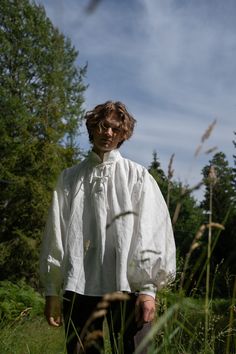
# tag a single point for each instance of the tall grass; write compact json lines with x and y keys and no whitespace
{"x":23,"y":329}
{"x":184,"y":324}
{"x":179,"y":328}
{"x":31,"y":336}
{"x":212,"y":182}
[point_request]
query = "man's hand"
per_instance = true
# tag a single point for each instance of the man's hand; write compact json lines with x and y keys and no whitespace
{"x":52,"y":311}
{"x":144,"y":309}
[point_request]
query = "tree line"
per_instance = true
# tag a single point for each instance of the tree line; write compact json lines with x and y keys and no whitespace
{"x":41,"y":98}
{"x":190,"y":221}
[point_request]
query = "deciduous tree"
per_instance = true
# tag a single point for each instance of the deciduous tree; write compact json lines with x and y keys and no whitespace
{"x":41,"y":96}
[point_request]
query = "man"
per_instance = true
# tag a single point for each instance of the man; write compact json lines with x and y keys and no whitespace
{"x":108,"y":231}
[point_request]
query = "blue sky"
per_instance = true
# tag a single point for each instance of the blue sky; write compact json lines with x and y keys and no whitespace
{"x":172,"y":62}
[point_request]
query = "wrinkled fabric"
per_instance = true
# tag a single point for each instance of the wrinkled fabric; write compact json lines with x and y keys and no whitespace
{"x":108,"y":230}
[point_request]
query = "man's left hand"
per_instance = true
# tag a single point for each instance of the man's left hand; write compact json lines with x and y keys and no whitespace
{"x":144,"y":309}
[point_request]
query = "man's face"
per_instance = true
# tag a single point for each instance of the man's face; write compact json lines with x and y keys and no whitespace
{"x":107,"y":135}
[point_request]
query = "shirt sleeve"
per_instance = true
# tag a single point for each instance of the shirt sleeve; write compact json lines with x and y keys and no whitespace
{"x":152,"y":258}
{"x":52,"y":249}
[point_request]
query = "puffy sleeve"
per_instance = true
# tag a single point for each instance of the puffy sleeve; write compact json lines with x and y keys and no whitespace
{"x":152,"y":257}
{"x":53,"y":243}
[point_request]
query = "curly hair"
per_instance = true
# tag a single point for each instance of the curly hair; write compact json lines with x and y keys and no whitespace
{"x":95,"y":117}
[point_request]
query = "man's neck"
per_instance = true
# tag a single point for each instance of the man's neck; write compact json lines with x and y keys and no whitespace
{"x":99,"y":153}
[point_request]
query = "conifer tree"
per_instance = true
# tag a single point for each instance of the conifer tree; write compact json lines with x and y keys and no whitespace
{"x":223,"y":212}
{"x":234,"y":169}
{"x":157,"y":172}
{"x":155,"y":167}
{"x":190,"y":216}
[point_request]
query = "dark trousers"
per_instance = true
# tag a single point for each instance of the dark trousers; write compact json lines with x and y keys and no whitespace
{"x":84,"y":316}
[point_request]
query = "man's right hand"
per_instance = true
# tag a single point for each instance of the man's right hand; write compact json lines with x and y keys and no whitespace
{"x":52,"y":311}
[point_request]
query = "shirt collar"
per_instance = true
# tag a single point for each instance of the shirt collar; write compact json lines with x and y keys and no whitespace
{"x":110,"y":156}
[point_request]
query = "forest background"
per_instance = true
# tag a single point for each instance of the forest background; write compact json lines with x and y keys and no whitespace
{"x":41,"y":99}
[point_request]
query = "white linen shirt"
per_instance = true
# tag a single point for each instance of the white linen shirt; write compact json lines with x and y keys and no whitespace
{"x":108,"y":230}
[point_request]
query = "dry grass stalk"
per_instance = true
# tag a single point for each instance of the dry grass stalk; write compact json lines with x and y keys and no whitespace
{"x":23,"y":313}
{"x":101,"y":311}
{"x":195,"y":244}
{"x":125,"y":213}
{"x":231,"y":318}
{"x":199,"y":233}
{"x":103,"y":305}
{"x":176,"y":213}
{"x":186,"y":190}
{"x":92,"y":337}
{"x":208,"y":131}
{"x":212,"y":177}
{"x":194,"y":188}
{"x":197,"y":151}
{"x":183,"y":193}
{"x":86,"y":246}
{"x":170,"y":169}
{"x":92,"y":6}
{"x":204,"y":137}
{"x":216,"y":225}
{"x":116,"y":297}
{"x":170,"y":175}
{"x":209,"y":151}
{"x":178,"y":206}
{"x":98,"y":314}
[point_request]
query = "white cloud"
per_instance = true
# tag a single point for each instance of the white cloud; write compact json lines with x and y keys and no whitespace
{"x":172,"y":62}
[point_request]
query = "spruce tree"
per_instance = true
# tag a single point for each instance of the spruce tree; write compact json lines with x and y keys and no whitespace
{"x":234,"y":169}
{"x":157,"y":172}
{"x":155,"y":167}
{"x":189,"y":217}
{"x":223,"y":212}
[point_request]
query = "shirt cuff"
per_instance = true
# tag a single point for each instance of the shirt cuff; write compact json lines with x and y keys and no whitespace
{"x":149,"y":289}
{"x":52,"y":290}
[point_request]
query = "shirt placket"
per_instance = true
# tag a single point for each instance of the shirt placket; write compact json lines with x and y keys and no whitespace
{"x":99,"y":187}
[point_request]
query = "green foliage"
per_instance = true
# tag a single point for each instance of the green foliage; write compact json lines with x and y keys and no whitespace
{"x":179,"y":328}
{"x":19,"y":258}
{"x":186,"y":216}
{"x":224,"y":212}
{"x":18,"y":300}
{"x":23,"y":329}
{"x":41,"y":96}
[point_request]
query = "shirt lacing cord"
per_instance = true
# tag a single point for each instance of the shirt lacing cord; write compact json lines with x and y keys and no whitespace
{"x":99,"y":180}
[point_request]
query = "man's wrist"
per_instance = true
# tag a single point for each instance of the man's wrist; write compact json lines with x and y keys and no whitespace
{"x":152,"y":295}
{"x":150,"y":290}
